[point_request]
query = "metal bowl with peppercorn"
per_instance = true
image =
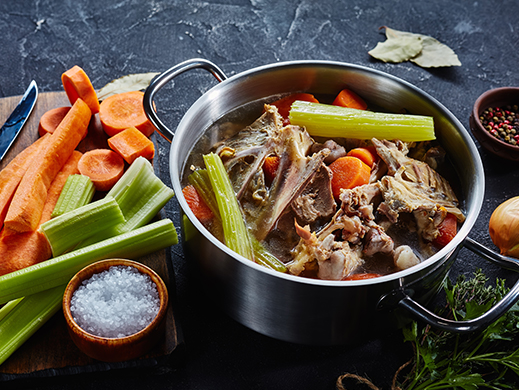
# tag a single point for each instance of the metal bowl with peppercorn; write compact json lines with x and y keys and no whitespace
{"x":494,"y":121}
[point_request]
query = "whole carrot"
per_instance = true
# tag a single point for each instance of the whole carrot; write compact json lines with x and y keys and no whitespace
{"x":27,"y":205}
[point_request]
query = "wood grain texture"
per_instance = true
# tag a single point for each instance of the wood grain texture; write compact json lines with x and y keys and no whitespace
{"x":50,"y":351}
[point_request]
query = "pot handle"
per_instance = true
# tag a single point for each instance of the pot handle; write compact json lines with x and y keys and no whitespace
{"x":168,"y":75}
{"x":480,"y":322}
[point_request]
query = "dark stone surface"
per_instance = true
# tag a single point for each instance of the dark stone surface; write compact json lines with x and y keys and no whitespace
{"x":41,"y":39}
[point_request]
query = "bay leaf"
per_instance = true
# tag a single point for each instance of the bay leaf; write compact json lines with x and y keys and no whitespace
{"x":435,"y":54}
{"x":128,"y":83}
{"x":432,"y":54}
{"x":398,"y":49}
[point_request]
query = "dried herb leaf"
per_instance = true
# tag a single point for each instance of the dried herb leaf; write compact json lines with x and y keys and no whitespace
{"x":131,"y":82}
{"x":397,"y":49}
{"x":432,"y":54}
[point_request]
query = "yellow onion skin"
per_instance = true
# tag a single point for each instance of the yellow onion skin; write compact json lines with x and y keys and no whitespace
{"x":504,"y":227}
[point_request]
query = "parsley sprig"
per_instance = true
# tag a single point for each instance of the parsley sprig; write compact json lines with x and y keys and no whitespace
{"x":487,"y":359}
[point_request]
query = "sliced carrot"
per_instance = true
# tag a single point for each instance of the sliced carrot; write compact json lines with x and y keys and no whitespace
{"x":123,"y":110}
{"x":13,"y":172}
{"x":70,"y":168}
{"x":348,"y":98}
{"x":22,"y":250}
{"x":103,"y":166}
{"x":197,"y":204}
{"x":363,"y":276}
{"x":130,"y":144}
{"x":27,"y":205}
{"x":447,"y":230}
{"x":348,"y":172}
{"x":77,"y":85}
{"x":368,"y":155}
{"x":283,"y":105}
{"x":270,"y":168}
{"x":51,"y":119}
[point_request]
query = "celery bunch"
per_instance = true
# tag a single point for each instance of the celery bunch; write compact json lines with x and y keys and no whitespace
{"x":115,"y":226}
{"x":324,"y":120}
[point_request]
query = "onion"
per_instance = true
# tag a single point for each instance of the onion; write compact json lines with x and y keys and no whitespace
{"x":504,"y":227}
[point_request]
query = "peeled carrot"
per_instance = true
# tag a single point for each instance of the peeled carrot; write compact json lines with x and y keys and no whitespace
{"x":130,"y":144}
{"x":347,"y":98}
{"x":368,"y":155}
{"x":27,"y":205}
{"x":13,"y":172}
{"x":70,"y":168}
{"x":51,"y":119}
{"x":270,"y":167}
{"x":77,"y":85}
{"x":283,"y":105}
{"x":123,"y":110}
{"x":197,"y":204}
{"x":22,"y":250}
{"x":348,"y":172}
{"x":103,"y":166}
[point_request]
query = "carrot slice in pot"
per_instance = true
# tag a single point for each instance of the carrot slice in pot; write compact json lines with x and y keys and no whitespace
{"x":348,"y":172}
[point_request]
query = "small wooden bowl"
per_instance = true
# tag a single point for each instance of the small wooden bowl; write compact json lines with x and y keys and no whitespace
{"x":122,"y":348}
{"x":498,"y":97}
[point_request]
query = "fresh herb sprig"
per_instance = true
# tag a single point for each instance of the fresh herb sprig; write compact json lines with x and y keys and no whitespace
{"x":487,"y":359}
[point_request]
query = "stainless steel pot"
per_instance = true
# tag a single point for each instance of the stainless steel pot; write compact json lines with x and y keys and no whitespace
{"x":308,"y":311}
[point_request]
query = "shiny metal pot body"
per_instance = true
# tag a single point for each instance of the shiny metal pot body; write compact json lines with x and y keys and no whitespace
{"x":289,"y":307}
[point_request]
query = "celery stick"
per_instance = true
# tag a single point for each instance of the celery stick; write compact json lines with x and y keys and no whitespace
{"x":77,"y":191}
{"x":68,"y":230}
{"x":6,"y":309}
{"x":323,"y":120}
{"x":140,"y":195}
{"x":26,"y":318}
{"x":265,"y":258}
{"x":234,"y":229}
{"x":59,"y":270}
{"x":200,"y":180}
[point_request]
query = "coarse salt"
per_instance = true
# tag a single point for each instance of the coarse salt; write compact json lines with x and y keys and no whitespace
{"x":115,"y":303}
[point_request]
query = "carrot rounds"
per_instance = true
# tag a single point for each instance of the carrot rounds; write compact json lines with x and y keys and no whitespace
{"x":77,"y":85}
{"x":51,"y":119}
{"x":26,"y":207}
{"x":348,"y":172}
{"x":347,"y":98}
{"x":283,"y":105}
{"x":130,"y":144}
{"x":368,"y":155}
{"x":123,"y":110}
{"x":103,"y":166}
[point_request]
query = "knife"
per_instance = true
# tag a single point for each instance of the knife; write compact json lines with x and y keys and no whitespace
{"x":15,"y":122}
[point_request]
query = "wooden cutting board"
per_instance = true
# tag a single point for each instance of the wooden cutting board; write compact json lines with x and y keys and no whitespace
{"x":50,"y":351}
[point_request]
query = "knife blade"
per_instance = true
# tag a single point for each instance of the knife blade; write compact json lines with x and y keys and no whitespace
{"x":14,"y":124}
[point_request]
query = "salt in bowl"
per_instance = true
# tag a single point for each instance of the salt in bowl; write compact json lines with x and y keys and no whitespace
{"x":114,"y":349}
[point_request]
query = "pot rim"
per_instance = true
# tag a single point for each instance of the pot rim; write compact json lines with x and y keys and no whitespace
{"x":442,"y":254}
